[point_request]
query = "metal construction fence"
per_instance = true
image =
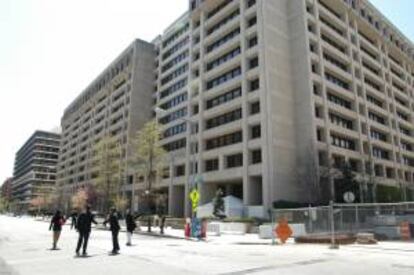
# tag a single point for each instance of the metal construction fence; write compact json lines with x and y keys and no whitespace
{"x":382,"y":219}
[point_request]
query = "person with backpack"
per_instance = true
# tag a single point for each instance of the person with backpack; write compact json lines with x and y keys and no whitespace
{"x":84,"y":226}
{"x":56,"y":224}
{"x":114,"y":227}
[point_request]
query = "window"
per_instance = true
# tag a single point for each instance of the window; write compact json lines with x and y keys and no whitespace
{"x":342,"y":142}
{"x":181,"y":70}
{"x":224,"y":119}
{"x":376,"y":118}
{"x":255,"y":108}
{"x":339,"y":101}
{"x":175,"y":145}
{"x":223,"y":40}
{"x":223,"y":78}
{"x":340,"y":121}
{"x":175,"y":130}
{"x":175,"y":48}
{"x":212,"y":165}
{"x":173,"y":88}
{"x":173,"y":116}
{"x":380,"y":153}
{"x":253,"y":42}
{"x":335,"y":80}
{"x":234,"y":160}
{"x":180,"y":171}
{"x":378,"y":136}
{"x":235,"y":93}
{"x":256,"y":132}
{"x":251,"y":3}
{"x":224,"y":58}
{"x":254,"y":62}
{"x":225,"y":140}
{"x":252,"y":21}
{"x":174,"y":102}
{"x":256,"y":156}
{"x":254,"y":85}
{"x":223,"y":22}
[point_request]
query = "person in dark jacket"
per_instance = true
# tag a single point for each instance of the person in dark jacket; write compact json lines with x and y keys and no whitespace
{"x":73,"y":217}
{"x":114,"y":227}
{"x":130,"y":226}
{"x":83,"y":226}
{"x":56,"y":224}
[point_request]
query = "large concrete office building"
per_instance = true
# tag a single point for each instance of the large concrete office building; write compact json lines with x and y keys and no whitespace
{"x":277,"y":92}
{"x":34,"y":169}
{"x":116,"y":104}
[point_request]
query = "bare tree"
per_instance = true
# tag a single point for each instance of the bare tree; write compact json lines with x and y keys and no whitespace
{"x":147,"y":158}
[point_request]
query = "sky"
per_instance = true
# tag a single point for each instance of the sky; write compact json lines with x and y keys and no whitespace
{"x":50,"y":50}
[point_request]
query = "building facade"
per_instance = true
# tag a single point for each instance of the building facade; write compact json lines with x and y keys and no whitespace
{"x":266,"y":99}
{"x":34,"y":169}
{"x":116,"y":104}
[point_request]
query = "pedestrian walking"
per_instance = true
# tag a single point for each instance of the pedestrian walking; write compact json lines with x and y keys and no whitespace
{"x":83,"y":226}
{"x":73,"y":217}
{"x":56,"y":224}
{"x":114,"y":227}
{"x":130,"y":226}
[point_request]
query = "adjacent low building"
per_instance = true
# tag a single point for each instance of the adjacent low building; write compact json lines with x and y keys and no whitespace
{"x":34,"y":169}
{"x":116,"y":104}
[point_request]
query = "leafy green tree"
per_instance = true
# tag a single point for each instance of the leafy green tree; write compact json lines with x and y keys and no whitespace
{"x":147,"y":159}
{"x":108,"y":163}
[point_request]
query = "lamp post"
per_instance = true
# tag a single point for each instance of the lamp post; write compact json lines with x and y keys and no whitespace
{"x":193,"y":163}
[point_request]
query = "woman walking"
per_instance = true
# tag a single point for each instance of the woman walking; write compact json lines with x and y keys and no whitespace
{"x":56,"y":224}
{"x":130,"y":226}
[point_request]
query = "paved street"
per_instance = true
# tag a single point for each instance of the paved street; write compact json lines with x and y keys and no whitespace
{"x":25,"y":249}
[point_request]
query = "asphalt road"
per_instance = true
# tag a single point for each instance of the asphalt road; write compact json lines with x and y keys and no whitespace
{"x":25,"y":250}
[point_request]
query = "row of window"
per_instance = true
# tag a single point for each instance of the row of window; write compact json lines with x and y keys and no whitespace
{"x":223,"y":39}
{"x":173,"y":116}
{"x":224,"y":119}
{"x":223,"y":22}
{"x":176,"y":35}
{"x":380,"y":153}
{"x":340,"y":121}
{"x":218,"y":8}
{"x":175,"y":101}
{"x":342,"y":142}
{"x":175,"y":61}
{"x":179,"y":71}
{"x":175,"y":48}
{"x":175,"y":130}
{"x":173,"y":88}
{"x":339,"y":101}
{"x":378,"y":136}
{"x":175,"y":145}
{"x":225,"y":140}
{"x":336,"y":81}
{"x":224,"y":58}
{"x":221,"y":99}
{"x":224,"y":78}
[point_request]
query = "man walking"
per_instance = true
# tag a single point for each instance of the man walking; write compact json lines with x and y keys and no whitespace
{"x":114,"y":227}
{"x":83,"y":226}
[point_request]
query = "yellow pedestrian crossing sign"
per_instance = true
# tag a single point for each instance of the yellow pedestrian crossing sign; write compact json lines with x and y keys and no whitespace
{"x":195,"y":198}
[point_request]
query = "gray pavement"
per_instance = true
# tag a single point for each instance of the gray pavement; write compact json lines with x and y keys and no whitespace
{"x":25,"y":249}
